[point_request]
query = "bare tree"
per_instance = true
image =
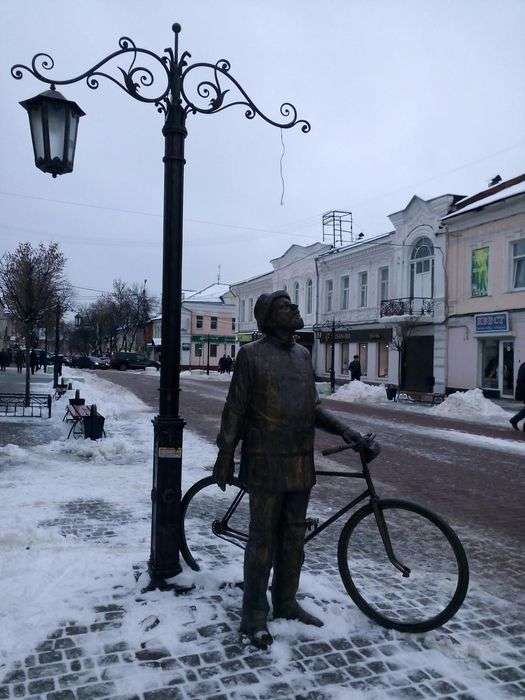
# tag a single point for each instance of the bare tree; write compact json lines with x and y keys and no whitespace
{"x":403,"y":331}
{"x":31,"y":283}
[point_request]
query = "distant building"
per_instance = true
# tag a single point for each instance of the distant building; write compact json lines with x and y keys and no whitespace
{"x":486,"y":288}
{"x":208,"y":327}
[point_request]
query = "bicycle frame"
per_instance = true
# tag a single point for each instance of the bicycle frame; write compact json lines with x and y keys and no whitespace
{"x":221,"y":529}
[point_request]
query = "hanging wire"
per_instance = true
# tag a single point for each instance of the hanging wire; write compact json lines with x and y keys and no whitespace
{"x":281,"y":168}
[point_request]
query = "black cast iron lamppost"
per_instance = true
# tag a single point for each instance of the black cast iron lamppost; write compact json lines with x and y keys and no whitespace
{"x":213,"y":89}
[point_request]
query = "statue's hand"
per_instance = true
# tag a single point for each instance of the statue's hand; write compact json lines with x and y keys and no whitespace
{"x":223,"y":469}
{"x":364,"y":444}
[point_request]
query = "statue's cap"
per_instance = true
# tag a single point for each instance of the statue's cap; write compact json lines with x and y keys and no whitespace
{"x":263,"y":305}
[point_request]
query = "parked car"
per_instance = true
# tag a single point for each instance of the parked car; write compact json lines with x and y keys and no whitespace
{"x":131,"y":360}
{"x":91,"y":362}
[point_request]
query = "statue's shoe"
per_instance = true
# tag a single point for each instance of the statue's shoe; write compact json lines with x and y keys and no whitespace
{"x":260,"y":638}
{"x":298,"y":613}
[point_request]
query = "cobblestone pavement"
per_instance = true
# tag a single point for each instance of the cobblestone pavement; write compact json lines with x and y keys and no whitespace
{"x":122,"y":649}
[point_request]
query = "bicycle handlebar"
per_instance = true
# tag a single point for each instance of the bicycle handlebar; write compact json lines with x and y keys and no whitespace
{"x":369,"y":438}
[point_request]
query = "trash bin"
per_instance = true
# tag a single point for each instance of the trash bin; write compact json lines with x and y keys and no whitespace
{"x":77,"y":401}
{"x":94,"y":425}
{"x":391,"y":392}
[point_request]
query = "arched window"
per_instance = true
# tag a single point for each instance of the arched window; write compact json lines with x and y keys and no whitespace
{"x":309,"y":296}
{"x":422,"y":269}
{"x":296,"y":293}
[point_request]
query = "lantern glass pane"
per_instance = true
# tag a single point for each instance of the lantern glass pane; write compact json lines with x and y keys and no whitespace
{"x":72,"y":138}
{"x":56,"y":115}
{"x":37,"y":132}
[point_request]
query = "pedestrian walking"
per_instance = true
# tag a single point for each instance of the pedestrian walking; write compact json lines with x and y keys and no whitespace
{"x":229,"y":364}
{"x":44,"y":360}
{"x":19,"y":358}
{"x":222,"y":364}
{"x":3,"y":360}
{"x":355,"y":369}
{"x":519,"y":396}
{"x":32,"y":360}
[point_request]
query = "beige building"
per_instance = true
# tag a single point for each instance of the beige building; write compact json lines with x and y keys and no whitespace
{"x":486,"y":288}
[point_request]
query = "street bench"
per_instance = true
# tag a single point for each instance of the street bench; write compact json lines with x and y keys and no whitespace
{"x":14,"y":405}
{"x":429,"y":397}
{"x":77,"y":415}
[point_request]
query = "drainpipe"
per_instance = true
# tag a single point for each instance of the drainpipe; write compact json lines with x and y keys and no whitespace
{"x":316,"y":340}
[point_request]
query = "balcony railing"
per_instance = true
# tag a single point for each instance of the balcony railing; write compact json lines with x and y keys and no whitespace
{"x":408,"y":306}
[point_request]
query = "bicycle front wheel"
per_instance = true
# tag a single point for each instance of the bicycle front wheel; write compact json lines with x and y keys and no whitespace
{"x":207,"y":514}
{"x":437,"y":567}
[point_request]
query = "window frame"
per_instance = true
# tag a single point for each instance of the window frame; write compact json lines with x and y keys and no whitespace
{"x":309,"y":296}
{"x":214,"y":322}
{"x":242,"y":311}
{"x":513,"y":266}
{"x":345,"y":292}
{"x":296,"y":293}
{"x":199,"y":321}
{"x":250,"y":309}
{"x":329,"y":295}
{"x":382,"y":283}
{"x":363,"y":289}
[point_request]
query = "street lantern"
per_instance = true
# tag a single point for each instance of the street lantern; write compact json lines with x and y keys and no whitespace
{"x":54,"y":123}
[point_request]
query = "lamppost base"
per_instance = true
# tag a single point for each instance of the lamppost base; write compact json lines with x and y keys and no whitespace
{"x":161,"y":584}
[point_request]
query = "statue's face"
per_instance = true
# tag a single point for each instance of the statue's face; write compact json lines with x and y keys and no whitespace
{"x":285,"y":316}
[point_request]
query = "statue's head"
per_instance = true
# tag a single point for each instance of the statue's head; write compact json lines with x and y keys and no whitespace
{"x":276,"y":312}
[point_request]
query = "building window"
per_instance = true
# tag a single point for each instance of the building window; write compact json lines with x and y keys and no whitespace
{"x":479,"y":272}
{"x":345,"y":357}
{"x":518,"y":264}
{"x":198,"y":322}
{"x":233,"y":324}
{"x":250,"y":309}
{"x":232,"y":351}
{"x":198,"y":349}
{"x":243,"y":310}
{"x":383,"y":284}
{"x":382,"y":358}
{"x":363,"y":289}
{"x":213,"y":323}
{"x":309,"y":296}
{"x":345,"y":291}
{"x":363,"y":358}
{"x":422,"y":270}
{"x":489,"y":363}
{"x":296,"y":293}
{"x":328,"y":357}
{"x":329,"y":287}
{"x":213,"y":350}
{"x":285,"y":287}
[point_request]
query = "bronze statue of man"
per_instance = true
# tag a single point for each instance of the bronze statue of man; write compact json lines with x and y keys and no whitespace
{"x":273,"y":407}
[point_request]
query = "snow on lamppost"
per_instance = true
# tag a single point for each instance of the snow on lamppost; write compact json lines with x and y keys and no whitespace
{"x":215,"y":90}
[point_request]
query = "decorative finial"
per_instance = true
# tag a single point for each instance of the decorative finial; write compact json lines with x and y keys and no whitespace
{"x":176,"y":27}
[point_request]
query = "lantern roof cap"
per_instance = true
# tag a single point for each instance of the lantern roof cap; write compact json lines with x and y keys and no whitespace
{"x":51,"y":95}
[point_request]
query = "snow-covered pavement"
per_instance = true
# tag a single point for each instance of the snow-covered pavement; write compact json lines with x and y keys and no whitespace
{"x":74,"y":534}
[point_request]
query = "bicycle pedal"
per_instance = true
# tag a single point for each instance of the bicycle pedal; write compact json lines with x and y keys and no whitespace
{"x":312,"y":523}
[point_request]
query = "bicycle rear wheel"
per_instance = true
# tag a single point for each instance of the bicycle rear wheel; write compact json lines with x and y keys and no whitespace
{"x":204,"y":508}
{"x":422,"y":541}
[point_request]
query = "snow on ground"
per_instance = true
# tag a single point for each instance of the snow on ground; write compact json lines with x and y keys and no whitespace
{"x":75,"y":519}
{"x":360,"y":392}
{"x":201,"y":374}
{"x":48,"y":575}
{"x":466,"y":404}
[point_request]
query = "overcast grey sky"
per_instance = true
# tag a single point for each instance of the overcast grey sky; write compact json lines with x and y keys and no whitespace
{"x":404,"y":97}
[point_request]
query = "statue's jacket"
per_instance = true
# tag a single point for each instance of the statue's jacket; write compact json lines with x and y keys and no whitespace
{"x":274,"y":408}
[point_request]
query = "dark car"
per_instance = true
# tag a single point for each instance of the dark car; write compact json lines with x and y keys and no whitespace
{"x":91,"y":362}
{"x":131,"y":360}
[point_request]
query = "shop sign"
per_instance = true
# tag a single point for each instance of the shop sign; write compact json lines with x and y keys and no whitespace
{"x":213,"y":338}
{"x":244,"y":337}
{"x":492,"y":323}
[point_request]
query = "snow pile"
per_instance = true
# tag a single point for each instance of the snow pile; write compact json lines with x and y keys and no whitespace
{"x":201,"y":374}
{"x":323,"y":388}
{"x":469,"y":404}
{"x":359,"y":391}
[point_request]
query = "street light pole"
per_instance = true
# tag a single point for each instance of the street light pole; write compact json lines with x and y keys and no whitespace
{"x":210,"y":96}
{"x":57,"y":346}
{"x":332,"y":357}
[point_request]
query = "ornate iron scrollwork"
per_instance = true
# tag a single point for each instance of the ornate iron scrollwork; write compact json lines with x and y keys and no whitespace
{"x":210,"y":92}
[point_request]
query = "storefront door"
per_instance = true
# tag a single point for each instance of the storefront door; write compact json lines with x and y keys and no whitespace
{"x":497,"y":365}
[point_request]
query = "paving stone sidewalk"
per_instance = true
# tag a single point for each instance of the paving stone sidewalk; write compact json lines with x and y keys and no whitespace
{"x":96,"y":659}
